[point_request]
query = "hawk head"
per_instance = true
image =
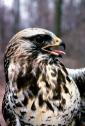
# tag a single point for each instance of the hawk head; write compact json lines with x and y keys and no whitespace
{"x":41,"y":41}
{"x":29,"y":45}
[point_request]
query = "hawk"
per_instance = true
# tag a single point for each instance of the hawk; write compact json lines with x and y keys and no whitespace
{"x":39,"y":89}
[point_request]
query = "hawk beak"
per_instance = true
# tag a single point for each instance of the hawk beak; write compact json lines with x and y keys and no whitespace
{"x":55,"y":47}
{"x":63,"y":45}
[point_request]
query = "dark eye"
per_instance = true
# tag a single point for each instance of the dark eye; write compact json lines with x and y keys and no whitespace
{"x":39,"y":39}
{"x":47,"y":38}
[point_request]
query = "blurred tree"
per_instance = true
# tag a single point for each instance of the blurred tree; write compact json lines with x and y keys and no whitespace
{"x":43,"y":11}
{"x":25,"y":13}
{"x":16,"y":9}
{"x":44,"y":14}
{"x":58,"y":14}
{"x":2,"y":26}
{"x":82,"y":11}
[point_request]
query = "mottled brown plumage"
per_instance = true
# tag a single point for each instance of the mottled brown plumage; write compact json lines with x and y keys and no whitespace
{"x":39,"y":90}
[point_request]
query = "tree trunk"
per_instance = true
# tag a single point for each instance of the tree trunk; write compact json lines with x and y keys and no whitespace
{"x":16,"y":15}
{"x":58,"y":14}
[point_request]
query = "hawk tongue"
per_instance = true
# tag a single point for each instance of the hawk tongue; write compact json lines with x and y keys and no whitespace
{"x":57,"y":52}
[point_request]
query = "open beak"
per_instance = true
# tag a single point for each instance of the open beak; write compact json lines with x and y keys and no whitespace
{"x":57,"y":47}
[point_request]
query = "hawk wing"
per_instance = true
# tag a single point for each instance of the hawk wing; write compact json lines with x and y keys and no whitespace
{"x":78,"y":76}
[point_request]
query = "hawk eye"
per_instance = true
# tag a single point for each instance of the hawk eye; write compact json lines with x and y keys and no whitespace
{"x":39,"y":39}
